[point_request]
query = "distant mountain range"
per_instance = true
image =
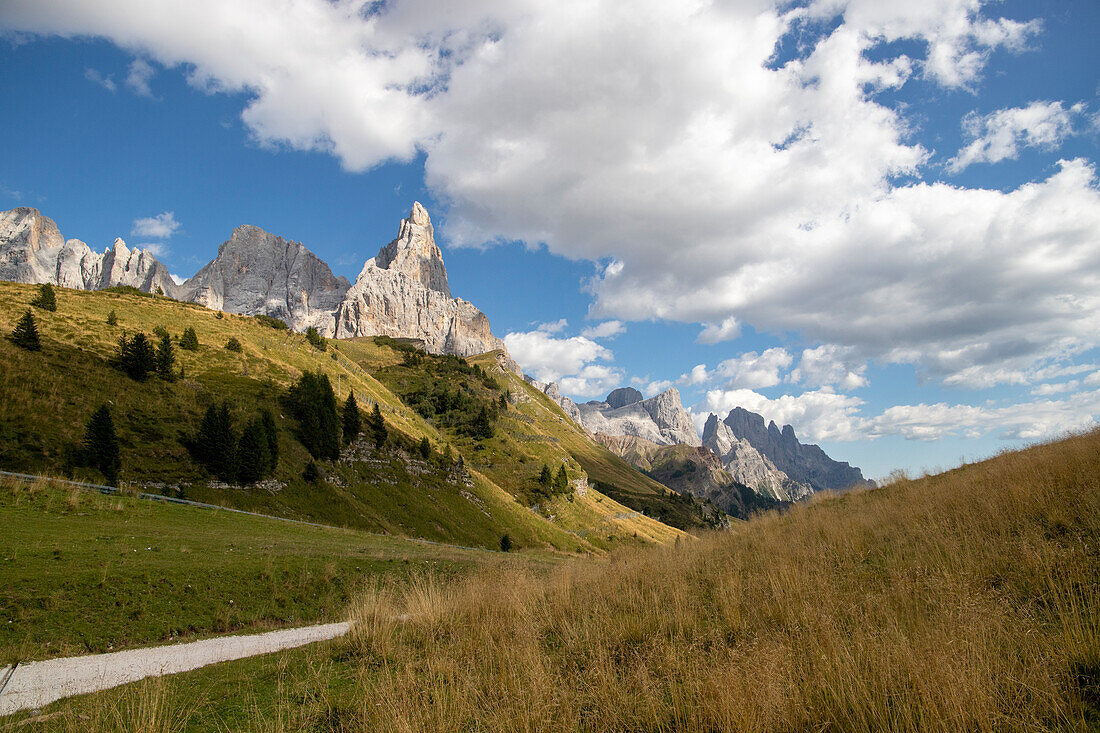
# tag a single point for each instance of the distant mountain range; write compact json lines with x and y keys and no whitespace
{"x":401,"y":292}
{"x":769,"y":460}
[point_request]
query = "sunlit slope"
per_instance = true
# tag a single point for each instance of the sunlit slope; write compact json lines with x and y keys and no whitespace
{"x":47,"y":397}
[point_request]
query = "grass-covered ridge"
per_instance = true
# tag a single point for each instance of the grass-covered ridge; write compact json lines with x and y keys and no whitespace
{"x":49,"y":395}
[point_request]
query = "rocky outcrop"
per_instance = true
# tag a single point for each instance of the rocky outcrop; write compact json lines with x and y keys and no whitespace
{"x":660,"y":419}
{"x":748,"y":466}
{"x":257,"y":272}
{"x":403,"y":292}
{"x":32,"y":250}
{"x":623,"y":396}
{"x":807,"y":465}
{"x":551,"y":390}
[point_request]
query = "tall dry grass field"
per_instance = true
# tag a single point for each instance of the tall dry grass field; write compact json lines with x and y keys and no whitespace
{"x":963,"y":601}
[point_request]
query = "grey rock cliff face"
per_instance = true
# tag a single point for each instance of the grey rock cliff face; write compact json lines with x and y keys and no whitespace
{"x":804,"y":464}
{"x":32,"y":250}
{"x":661,"y":419}
{"x":257,"y":272}
{"x":748,"y":466}
{"x":403,"y":292}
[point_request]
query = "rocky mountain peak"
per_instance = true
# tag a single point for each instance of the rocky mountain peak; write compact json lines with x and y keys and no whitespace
{"x":258,"y":272}
{"x":623,"y":396}
{"x":415,"y":253}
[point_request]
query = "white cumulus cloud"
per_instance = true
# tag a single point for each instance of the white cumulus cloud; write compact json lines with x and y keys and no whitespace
{"x":1002,"y":134}
{"x":161,"y":226}
{"x":755,"y":370}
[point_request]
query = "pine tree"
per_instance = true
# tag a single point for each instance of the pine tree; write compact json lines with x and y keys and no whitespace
{"x":271,"y":433}
{"x":311,"y":473}
{"x":166,"y":358}
{"x":425,"y":448}
{"x":505,"y":542}
{"x":313,"y":404}
{"x":136,"y":356}
{"x":503,"y":403}
{"x":561,"y":481}
{"x":46,"y":300}
{"x":353,"y":422}
{"x":377,"y":426}
{"x":314,"y":337}
{"x":26,"y":333}
{"x":215,"y":445}
{"x":112,"y":319}
{"x":482,"y":427}
{"x":189,"y":340}
{"x":99,"y":449}
{"x":546,"y":479}
{"x":253,"y":461}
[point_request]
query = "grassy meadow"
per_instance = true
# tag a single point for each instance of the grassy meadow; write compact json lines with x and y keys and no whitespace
{"x":968,"y":600}
{"x":87,"y":573}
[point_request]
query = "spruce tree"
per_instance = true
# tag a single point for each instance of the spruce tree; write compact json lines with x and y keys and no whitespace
{"x":136,"y":356}
{"x":482,"y":427}
{"x":313,"y":404}
{"x":377,"y":426}
{"x":166,"y":358}
{"x":46,"y":300}
{"x":353,"y":422}
{"x":505,"y":542}
{"x":253,"y":461}
{"x":425,"y":448}
{"x":314,"y":337}
{"x":546,"y":479}
{"x":26,"y":333}
{"x":112,"y":319}
{"x":215,"y":445}
{"x":99,"y":449}
{"x":271,"y":434}
{"x":561,"y":481}
{"x":189,"y":340}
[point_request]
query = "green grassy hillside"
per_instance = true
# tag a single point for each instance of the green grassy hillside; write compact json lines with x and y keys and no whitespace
{"x":49,"y":395}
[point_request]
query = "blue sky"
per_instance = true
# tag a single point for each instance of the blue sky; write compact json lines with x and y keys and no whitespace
{"x":875,"y":221}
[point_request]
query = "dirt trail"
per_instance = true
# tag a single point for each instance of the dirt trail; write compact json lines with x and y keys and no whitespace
{"x":36,"y":684}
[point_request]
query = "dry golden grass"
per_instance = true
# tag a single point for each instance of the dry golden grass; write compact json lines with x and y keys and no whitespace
{"x":963,"y":601}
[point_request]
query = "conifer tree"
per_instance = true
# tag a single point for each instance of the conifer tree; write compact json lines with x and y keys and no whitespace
{"x":166,"y":358}
{"x":233,"y":344}
{"x":505,"y":542}
{"x":253,"y":461}
{"x":314,"y":337}
{"x":377,"y":426}
{"x":215,"y":445}
{"x":482,"y":426}
{"x":425,"y":448}
{"x":353,"y":422}
{"x":546,"y":479}
{"x":271,"y":433}
{"x":112,"y":319}
{"x":26,"y":333}
{"x":189,"y":340}
{"x":136,"y":356}
{"x":313,"y":404}
{"x":46,"y":300}
{"x":99,"y":449}
{"x":561,"y":481}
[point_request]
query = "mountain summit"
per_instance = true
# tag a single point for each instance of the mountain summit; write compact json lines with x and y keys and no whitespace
{"x":403,"y":292}
{"x":32,"y":250}
{"x":258,"y":272}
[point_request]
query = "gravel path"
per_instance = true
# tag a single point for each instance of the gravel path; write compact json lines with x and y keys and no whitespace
{"x":35,"y":684}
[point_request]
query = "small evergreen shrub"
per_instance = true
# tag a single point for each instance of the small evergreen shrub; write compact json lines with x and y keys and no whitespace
{"x":46,"y":300}
{"x":127,"y":290}
{"x":189,"y":340}
{"x":233,"y":344}
{"x":505,"y":542}
{"x":272,"y":322}
{"x":112,"y":319}
{"x":311,"y":474}
{"x":25,"y":334}
{"x":425,"y":448}
{"x":160,"y":331}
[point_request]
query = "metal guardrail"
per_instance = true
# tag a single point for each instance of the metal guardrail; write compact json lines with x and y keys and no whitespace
{"x":114,"y":490}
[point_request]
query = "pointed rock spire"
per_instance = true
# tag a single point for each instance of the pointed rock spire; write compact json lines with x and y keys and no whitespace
{"x":415,"y":253}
